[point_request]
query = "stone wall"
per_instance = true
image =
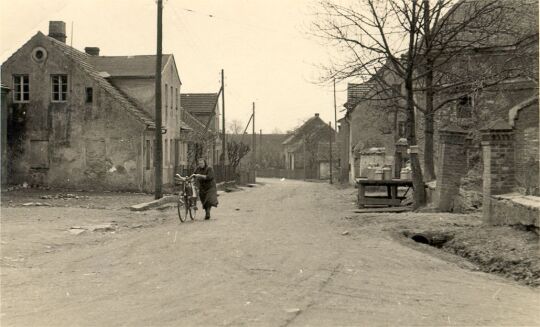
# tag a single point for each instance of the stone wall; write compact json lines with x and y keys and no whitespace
{"x":515,"y":210}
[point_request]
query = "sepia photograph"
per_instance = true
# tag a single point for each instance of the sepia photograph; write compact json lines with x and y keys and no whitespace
{"x":269,"y":163}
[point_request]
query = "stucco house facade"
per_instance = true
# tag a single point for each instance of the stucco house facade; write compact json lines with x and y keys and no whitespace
{"x":80,"y":120}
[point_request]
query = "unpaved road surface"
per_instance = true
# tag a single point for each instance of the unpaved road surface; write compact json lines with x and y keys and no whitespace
{"x":274,"y":255}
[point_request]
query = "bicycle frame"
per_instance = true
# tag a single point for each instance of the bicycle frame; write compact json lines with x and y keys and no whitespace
{"x":187,"y":187}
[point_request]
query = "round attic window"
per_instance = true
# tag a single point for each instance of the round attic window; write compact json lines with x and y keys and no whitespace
{"x":39,"y":54}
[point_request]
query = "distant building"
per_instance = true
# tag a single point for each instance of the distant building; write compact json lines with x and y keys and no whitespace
{"x":308,"y":149}
{"x":81,"y":120}
{"x":205,"y":108}
{"x":371,"y":121}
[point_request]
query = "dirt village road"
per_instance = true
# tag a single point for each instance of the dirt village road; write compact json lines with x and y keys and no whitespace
{"x":285,"y":253}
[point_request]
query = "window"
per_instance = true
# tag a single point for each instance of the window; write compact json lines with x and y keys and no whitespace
{"x":21,"y":86}
{"x":402,"y":129}
{"x":171,"y":153}
{"x":176,"y":152}
{"x":89,"y":95}
{"x":176,"y":97}
{"x":39,"y":54}
{"x":148,"y":154}
{"x":166,"y":101}
{"x":464,"y":107}
{"x":59,"y":88}
{"x":165,"y":154}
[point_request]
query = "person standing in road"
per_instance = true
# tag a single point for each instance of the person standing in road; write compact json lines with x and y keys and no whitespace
{"x":207,"y":186}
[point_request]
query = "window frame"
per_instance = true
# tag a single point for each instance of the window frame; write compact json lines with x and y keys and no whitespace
{"x":60,"y":86}
{"x":19,"y":90}
{"x":86,"y":93}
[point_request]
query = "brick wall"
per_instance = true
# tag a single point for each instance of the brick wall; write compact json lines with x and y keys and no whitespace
{"x":451,"y":168}
{"x":498,"y":159}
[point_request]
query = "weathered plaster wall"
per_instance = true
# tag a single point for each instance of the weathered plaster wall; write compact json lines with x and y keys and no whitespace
{"x":141,"y":90}
{"x":69,"y":144}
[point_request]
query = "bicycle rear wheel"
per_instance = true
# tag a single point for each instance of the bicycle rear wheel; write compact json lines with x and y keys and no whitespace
{"x":182,"y":208}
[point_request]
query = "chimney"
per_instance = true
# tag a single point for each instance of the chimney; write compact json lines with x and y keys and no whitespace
{"x":57,"y":30}
{"x":317,"y":115}
{"x":93,"y":51}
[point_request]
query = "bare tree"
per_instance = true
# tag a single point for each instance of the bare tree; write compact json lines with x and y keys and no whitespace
{"x":373,"y":36}
{"x":276,"y":130}
{"x":236,"y":151}
{"x":412,"y":42}
{"x":235,"y":127}
{"x":457,"y":33}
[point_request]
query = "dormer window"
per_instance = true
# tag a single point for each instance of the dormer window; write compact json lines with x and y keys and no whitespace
{"x":21,"y":88}
{"x":59,"y":88}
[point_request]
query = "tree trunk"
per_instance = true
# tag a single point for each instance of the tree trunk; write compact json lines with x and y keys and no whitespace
{"x":417,"y":179}
{"x":429,"y":165}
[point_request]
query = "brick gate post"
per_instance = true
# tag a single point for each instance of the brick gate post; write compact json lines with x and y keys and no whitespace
{"x":498,"y":160}
{"x":451,"y":167}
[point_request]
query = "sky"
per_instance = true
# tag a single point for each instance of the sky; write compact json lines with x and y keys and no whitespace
{"x":265,"y":48}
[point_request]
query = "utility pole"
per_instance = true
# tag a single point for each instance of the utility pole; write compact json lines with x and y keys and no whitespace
{"x":254,"y":139}
{"x":260,"y":145}
{"x":335,"y":106}
{"x":335,"y":126}
{"x":158,"y":157}
{"x":331,"y":164}
{"x":225,"y":154}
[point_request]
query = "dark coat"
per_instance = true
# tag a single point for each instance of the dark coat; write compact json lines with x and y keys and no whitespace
{"x":207,"y":187}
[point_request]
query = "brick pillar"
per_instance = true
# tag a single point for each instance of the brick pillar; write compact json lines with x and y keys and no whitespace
{"x":452,"y":165}
{"x":498,"y":160}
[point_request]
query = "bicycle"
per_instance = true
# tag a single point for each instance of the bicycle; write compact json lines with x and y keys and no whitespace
{"x":187,"y":198}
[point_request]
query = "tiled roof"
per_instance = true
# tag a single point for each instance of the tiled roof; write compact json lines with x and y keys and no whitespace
{"x":81,"y":59}
{"x":192,"y":123}
{"x":313,"y":125}
{"x":128,"y":66}
{"x":357,"y":93}
{"x":199,"y":102}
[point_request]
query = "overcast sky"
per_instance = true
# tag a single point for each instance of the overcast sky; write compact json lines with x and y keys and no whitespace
{"x":264,"y":47}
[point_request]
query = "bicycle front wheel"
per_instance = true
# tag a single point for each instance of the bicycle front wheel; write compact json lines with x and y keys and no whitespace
{"x":192,"y":209}
{"x":182,"y":208}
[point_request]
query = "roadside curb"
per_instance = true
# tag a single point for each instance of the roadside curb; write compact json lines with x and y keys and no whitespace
{"x":153,"y":204}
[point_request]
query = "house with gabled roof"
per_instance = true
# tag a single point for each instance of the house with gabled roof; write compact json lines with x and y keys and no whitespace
{"x":307,"y":149}
{"x":80,"y":120}
{"x":204,"y":107}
